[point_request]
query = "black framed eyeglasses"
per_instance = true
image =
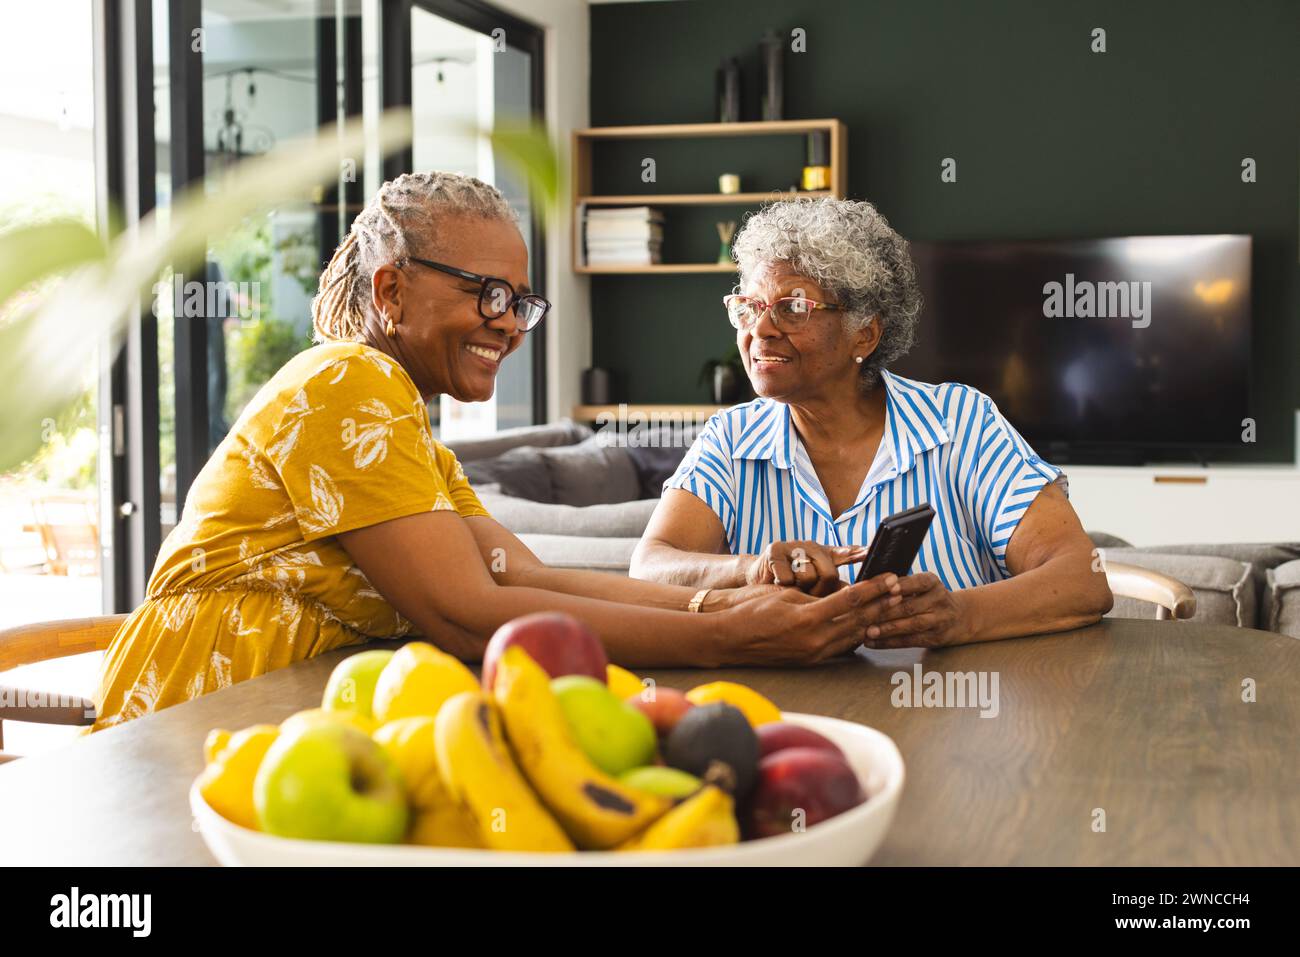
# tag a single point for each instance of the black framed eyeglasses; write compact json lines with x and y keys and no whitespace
{"x":496,"y":296}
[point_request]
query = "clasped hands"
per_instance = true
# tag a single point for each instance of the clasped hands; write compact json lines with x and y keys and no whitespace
{"x":927,"y":615}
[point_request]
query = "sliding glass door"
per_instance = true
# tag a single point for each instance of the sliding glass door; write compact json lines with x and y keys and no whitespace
{"x":188,"y":89}
{"x":261,"y":74}
{"x":472,"y":68}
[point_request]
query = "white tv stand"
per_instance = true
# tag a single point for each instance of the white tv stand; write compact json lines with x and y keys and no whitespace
{"x":1176,"y":504}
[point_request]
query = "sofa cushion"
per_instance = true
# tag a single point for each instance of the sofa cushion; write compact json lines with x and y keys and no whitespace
{"x":617,"y":520}
{"x":1106,"y":540}
{"x":1260,"y":557}
{"x":563,"y":432}
{"x":584,"y":474}
{"x":591,"y":473}
{"x":1225,"y":589}
{"x":655,"y":452}
{"x":1283,"y":599}
{"x":520,"y":472}
{"x":577,"y":551}
{"x":1265,"y":555}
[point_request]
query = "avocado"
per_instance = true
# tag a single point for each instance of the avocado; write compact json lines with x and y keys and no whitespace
{"x":715,"y":732}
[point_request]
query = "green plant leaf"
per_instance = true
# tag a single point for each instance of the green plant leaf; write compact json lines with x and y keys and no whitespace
{"x":33,"y":252}
{"x":526,"y":148}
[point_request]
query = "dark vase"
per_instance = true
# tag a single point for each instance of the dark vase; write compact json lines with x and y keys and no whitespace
{"x":597,"y":387}
{"x":727,"y":387}
{"x":770,"y":50}
{"x":728,"y":92}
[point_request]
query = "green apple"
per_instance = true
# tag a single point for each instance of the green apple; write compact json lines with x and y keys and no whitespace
{"x":614,"y":734}
{"x":352,"y":683}
{"x":330,"y":782}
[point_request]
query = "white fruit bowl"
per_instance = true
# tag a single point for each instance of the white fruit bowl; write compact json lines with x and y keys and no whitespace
{"x":845,"y":840}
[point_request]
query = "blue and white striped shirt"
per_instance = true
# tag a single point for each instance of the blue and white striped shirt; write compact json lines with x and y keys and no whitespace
{"x":945,"y":444}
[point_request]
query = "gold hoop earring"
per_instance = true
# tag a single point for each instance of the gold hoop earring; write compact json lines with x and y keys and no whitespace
{"x":390,"y":328}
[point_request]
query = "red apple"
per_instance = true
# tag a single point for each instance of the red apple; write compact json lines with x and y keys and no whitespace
{"x":663,"y":706}
{"x":798,"y":788}
{"x":779,"y":735}
{"x":560,"y":643}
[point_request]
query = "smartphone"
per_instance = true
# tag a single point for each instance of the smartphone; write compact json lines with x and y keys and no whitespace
{"x":897,"y":540}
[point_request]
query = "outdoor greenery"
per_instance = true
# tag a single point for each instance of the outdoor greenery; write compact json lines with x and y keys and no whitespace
{"x":69,"y":459}
{"x":255,"y":353}
{"x":258,"y":346}
{"x":69,"y":453}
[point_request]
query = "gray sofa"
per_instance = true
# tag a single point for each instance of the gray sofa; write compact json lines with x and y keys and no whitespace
{"x":579,"y":502}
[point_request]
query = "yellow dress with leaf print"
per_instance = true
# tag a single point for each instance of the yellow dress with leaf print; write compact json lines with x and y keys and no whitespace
{"x":252,"y":577}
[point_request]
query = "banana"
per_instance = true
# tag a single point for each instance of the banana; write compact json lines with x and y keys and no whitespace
{"x":705,"y":819}
{"x":436,"y":819}
{"x":475,"y":763}
{"x":446,"y":825}
{"x":596,"y":810}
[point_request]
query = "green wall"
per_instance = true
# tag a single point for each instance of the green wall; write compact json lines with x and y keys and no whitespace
{"x":1051,"y":140}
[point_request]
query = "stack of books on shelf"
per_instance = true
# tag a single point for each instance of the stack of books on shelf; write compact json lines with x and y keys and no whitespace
{"x":624,"y":236}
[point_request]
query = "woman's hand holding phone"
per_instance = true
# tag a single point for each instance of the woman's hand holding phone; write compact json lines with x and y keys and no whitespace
{"x":790,"y":627}
{"x":809,"y":566}
{"x":929,"y":616}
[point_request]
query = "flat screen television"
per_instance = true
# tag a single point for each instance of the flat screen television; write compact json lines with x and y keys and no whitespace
{"x":1127,"y":350}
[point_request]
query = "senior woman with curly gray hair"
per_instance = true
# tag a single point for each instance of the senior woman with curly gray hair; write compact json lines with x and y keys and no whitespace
{"x":790,"y":489}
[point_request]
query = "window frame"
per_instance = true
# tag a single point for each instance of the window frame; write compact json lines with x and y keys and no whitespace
{"x":395,"y":90}
{"x":130,"y":496}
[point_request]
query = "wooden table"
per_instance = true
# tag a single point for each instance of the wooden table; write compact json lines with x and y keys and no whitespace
{"x":1143,"y":720}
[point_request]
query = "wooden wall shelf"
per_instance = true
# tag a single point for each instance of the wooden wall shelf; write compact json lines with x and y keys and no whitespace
{"x":583,"y":179}
{"x":700,"y":199}
{"x":701,"y":130}
{"x":655,"y":268}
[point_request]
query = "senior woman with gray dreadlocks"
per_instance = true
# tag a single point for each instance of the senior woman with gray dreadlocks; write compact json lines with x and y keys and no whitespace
{"x":329,"y":515}
{"x":791,"y":488}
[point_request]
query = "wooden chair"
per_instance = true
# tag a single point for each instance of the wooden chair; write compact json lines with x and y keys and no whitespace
{"x":69,"y":528}
{"x":1173,"y":599}
{"x":43,"y":641}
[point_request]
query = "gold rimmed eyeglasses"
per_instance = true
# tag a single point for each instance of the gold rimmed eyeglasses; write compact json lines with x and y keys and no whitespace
{"x":787,"y":312}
